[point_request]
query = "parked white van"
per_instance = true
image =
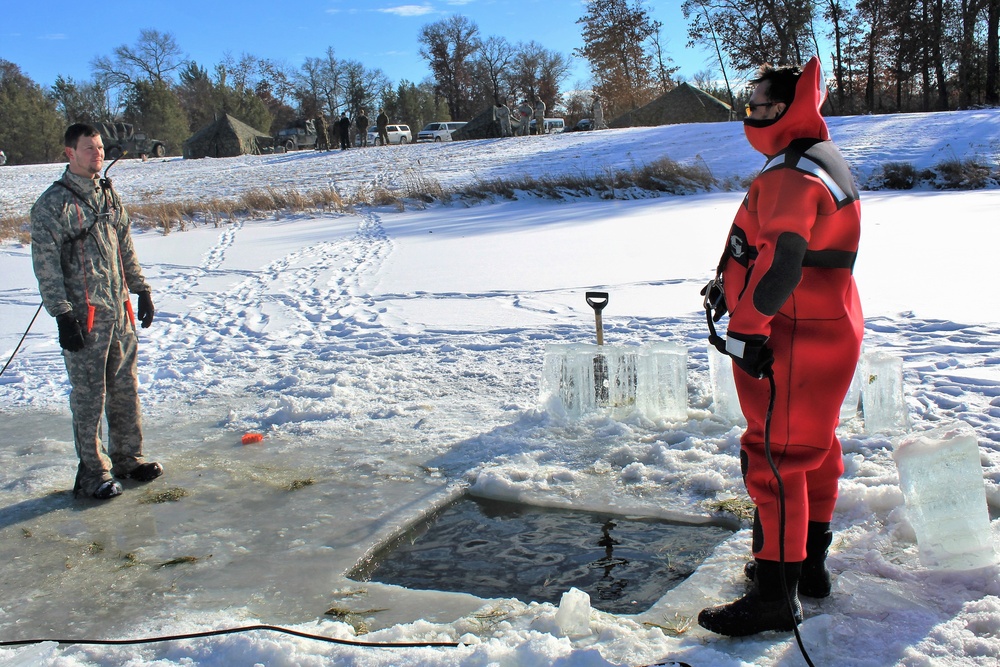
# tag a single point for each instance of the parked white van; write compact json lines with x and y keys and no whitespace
{"x":551,"y":126}
{"x":438,"y":131}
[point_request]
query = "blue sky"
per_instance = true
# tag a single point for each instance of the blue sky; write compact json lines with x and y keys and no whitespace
{"x":51,"y":37}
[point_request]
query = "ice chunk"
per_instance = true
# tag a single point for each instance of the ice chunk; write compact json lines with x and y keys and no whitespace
{"x":942,"y":483}
{"x":573,"y":616}
{"x":661,"y":390}
{"x":849,"y":408}
{"x":882,"y":398}
{"x":725,"y":401}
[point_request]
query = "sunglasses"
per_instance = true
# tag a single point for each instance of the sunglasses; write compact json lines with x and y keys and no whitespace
{"x":750,"y":108}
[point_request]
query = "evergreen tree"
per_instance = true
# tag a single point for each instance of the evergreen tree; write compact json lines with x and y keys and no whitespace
{"x":31,"y":131}
{"x":196,"y":93}
{"x":79,"y":103}
{"x":155,"y":108}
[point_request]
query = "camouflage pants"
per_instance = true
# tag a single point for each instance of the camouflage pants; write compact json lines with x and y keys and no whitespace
{"x":104,"y":380}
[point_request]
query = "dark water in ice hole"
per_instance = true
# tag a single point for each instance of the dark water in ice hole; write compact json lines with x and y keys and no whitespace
{"x":496,"y":549}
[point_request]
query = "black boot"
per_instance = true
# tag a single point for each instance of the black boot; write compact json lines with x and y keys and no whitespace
{"x":764,"y":607}
{"x":815,"y":579}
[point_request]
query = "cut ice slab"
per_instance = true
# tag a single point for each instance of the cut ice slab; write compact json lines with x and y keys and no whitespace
{"x":943,"y":488}
{"x":652,"y":379}
{"x":882,"y":398}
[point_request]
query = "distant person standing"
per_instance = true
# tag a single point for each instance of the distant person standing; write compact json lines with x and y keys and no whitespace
{"x":381,"y":123}
{"x":503,"y":115}
{"x":85,"y":263}
{"x":495,"y":121}
{"x":524,"y":115}
{"x":344,"y":129}
{"x":362,"y":123}
{"x":597,"y":109}
{"x":539,"y":117}
{"x":322,"y":136}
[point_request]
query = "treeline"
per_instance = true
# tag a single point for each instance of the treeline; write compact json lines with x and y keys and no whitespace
{"x":886,"y":56}
{"x":154,"y":86}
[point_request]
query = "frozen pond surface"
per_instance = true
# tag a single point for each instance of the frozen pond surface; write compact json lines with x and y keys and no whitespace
{"x":392,"y":361}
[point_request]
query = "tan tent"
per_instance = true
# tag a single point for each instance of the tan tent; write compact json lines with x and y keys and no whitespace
{"x":683,"y":104}
{"x":227,"y":137}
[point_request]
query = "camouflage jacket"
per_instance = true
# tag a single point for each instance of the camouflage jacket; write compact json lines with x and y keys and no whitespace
{"x":81,"y":250}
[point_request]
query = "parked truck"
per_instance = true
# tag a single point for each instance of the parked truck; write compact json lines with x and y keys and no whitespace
{"x":120,"y":138}
{"x":299,"y":134}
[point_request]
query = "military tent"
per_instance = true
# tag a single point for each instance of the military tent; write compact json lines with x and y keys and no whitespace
{"x":481,"y":127}
{"x":227,"y":137}
{"x":683,"y":104}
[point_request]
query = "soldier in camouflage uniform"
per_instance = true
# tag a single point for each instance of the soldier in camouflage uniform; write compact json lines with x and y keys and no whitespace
{"x":322,"y":137}
{"x":85,"y":263}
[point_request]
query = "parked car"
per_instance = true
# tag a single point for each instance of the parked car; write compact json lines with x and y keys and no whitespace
{"x":398,"y":134}
{"x":438,"y":131}
{"x":551,"y":126}
{"x":582,"y":125}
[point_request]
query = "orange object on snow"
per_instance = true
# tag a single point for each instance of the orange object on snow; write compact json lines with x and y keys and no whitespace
{"x":250,"y":438}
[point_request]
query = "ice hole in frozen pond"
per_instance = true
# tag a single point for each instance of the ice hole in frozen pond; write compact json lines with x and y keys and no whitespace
{"x":495,"y":549}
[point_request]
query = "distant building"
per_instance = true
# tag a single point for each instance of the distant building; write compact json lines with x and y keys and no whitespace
{"x":683,"y":104}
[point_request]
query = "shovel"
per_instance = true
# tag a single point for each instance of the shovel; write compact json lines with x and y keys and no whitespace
{"x":602,"y":381}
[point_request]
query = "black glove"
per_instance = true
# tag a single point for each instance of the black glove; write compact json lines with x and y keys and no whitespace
{"x":715,"y":299}
{"x":146,"y":310}
{"x":70,"y":332}
{"x":750,"y":353}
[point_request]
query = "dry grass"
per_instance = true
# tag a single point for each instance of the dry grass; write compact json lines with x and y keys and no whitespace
{"x":741,"y":507}
{"x":418,"y":189}
{"x":16,"y":227}
{"x":951,"y":174}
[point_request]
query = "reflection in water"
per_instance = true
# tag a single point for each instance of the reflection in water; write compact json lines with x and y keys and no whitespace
{"x":497,"y":549}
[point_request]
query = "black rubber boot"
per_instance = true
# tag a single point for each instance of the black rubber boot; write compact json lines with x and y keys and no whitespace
{"x":764,"y":607}
{"x":815,"y":579}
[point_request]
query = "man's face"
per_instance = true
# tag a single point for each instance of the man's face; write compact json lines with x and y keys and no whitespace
{"x":87,"y":158}
{"x":761,"y":107}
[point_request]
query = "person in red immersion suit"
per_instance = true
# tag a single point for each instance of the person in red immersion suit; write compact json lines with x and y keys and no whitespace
{"x":794,"y":318}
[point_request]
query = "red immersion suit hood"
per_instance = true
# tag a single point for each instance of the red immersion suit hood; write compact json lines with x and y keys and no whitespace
{"x":801,"y":120}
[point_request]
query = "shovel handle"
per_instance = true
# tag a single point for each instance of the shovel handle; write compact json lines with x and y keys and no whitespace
{"x":597,"y":301}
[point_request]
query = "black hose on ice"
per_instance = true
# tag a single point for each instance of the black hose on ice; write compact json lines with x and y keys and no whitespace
{"x":781,"y":515}
{"x":231,"y":631}
{"x":18,"y":346}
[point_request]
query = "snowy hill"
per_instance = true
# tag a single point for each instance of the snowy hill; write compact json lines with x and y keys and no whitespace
{"x":393,"y":362}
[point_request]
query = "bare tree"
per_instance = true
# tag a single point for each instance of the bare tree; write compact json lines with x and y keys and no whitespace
{"x":362,"y":86}
{"x":615,"y":35}
{"x":448,"y":46}
{"x":992,"y":55}
{"x":752,"y":32}
{"x":663,"y":72}
{"x":154,"y":58}
{"x":493,"y":61}
{"x":538,"y":73}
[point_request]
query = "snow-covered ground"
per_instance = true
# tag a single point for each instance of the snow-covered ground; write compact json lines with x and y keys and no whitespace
{"x":393,"y":361}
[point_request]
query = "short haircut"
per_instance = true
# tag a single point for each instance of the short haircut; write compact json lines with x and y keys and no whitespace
{"x":77,"y":130}
{"x":782,"y":81}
